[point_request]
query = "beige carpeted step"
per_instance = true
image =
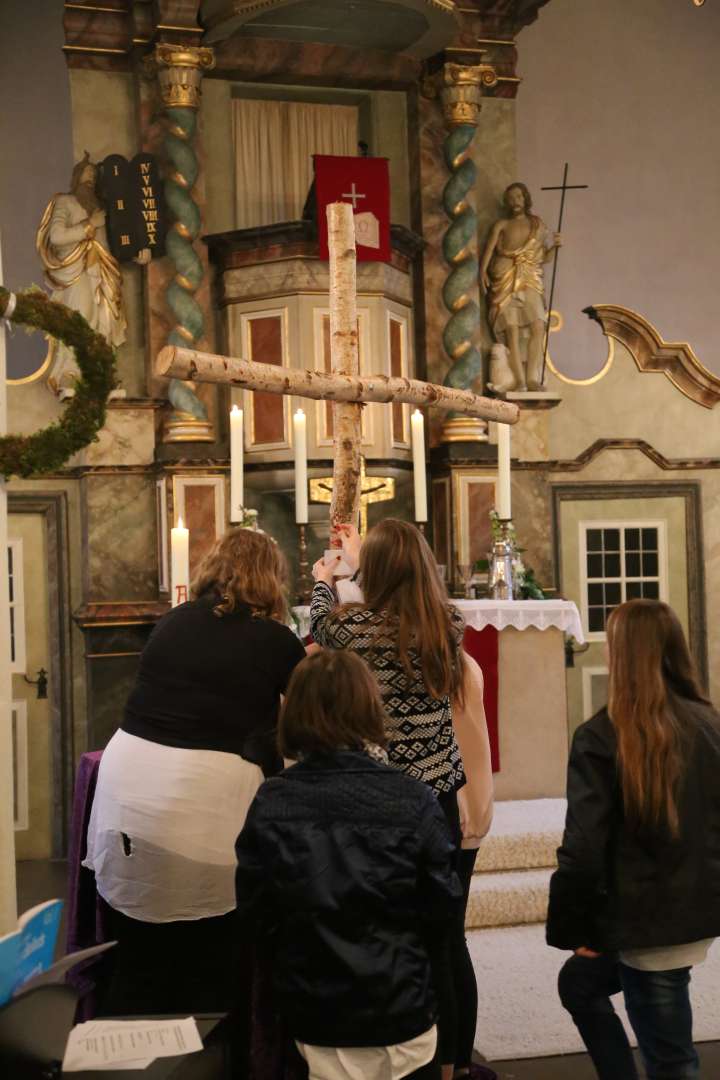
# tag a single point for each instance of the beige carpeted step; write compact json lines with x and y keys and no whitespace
{"x":525,"y":834}
{"x":510,"y":898}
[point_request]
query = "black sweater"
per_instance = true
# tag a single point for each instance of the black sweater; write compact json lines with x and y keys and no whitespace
{"x":210,"y":683}
{"x":345,"y":866}
{"x":618,"y":887}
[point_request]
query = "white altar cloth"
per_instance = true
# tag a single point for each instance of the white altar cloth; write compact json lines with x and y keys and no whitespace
{"x":519,"y":614}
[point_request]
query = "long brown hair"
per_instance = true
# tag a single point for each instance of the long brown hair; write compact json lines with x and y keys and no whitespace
{"x":650,"y":673}
{"x":332,"y":702}
{"x":400,"y":577}
{"x":247,"y":568}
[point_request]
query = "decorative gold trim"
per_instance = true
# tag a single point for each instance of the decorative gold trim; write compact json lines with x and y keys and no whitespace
{"x":652,"y":354}
{"x":93,"y":8}
{"x":495,"y":41}
{"x":35,"y":375}
{"x":464,"y":429}
{"x":94,"y":49}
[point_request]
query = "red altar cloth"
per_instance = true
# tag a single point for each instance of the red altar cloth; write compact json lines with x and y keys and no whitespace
{"x":482,"y":645}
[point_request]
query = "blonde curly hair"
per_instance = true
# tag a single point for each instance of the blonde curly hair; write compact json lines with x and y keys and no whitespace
{"x":245,"y":568}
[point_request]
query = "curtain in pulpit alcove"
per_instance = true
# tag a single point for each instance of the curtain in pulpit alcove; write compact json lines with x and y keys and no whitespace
{"x":274,"y":142}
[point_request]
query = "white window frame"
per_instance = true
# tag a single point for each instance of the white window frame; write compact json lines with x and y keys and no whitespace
{"x":622,"y":525}
{"x":21,"y":805}
{"x":588,"y":674}
{"x":18,"y":663}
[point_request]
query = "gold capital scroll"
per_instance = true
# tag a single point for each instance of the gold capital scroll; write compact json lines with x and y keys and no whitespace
{"x":461,"y":91}
{"x":180,"y":70}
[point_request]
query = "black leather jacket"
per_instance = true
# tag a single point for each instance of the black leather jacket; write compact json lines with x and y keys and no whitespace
{"x":619,"y":888}
{"x":345,"y":865}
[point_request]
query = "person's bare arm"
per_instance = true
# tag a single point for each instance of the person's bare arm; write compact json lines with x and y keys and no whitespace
{"x":475,"y":799}
{"x":488,"y":253}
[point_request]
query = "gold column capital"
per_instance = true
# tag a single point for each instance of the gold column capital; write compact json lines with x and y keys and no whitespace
{"x":180,"y":69}
{"x":461,"y":87}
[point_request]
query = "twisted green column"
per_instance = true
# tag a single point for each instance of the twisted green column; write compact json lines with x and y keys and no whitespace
{"x":179,"y":72}
{"x":460,"y":251}
{"x":460,"y":94}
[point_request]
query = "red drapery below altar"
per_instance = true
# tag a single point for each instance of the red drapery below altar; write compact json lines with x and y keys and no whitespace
{"x":482,"y":645}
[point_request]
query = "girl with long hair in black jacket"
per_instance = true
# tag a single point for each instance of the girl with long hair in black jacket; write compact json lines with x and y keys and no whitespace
{"x":636,"y":895}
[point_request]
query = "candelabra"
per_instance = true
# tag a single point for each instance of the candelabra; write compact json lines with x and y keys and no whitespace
{"x":305,"y":582}
{"x":501,"y":580}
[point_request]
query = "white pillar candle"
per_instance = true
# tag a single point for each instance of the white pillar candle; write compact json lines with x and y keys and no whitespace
{"x":8,"y":907}
{"x":180,"y":564}
{"x":502,"y":503}
{"x":417,"y":425}
{"x":237,"y":492}
{"x":301,"y":480}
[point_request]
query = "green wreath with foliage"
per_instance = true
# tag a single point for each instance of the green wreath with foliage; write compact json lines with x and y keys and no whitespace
{"x":49,"y":449}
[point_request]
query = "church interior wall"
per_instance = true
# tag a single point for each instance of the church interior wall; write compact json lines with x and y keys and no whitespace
{"x":621,"y":92}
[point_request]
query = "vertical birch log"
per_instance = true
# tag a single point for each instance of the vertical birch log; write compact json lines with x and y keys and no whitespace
{"x":344,"y":359}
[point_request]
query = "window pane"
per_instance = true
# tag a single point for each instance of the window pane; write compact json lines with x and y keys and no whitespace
{"x":651,"y":590}
{"x":632,"y":565}
{"x":611,"y":539}
{"x":594,"y":540}
{"x":612,"y":593}
{"x":650,"y":539}
{"x":595,"y":594}
{"x":596,"y":619}
{"x":612,"y":566}
{"x":632,"y":539}
{"x":12,"y":636}
{"x":594,"y":566}
{"x":633,"y":590}
{"x":649,"y":564}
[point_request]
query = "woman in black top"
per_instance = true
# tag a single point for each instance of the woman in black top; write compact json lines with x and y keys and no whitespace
{"x":176,"y":779}
{"x":637,"y":892}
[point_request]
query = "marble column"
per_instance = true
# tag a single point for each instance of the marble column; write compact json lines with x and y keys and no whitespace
{"x":179,"y":72}
{"x":460,"y":91}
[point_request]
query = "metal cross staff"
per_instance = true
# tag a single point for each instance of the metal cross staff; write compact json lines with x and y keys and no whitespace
{"x":559,"y":187}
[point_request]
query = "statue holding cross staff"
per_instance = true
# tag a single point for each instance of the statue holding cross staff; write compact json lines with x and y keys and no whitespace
{"x":343,"y":385}
{"x":512,"y":278}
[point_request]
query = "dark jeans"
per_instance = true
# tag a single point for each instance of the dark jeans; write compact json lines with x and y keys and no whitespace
{"x":458,"y":995}
{"x":658,"y":1007}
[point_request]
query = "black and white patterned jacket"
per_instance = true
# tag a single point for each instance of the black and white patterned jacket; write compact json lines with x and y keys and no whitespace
{"x":420,"y":733}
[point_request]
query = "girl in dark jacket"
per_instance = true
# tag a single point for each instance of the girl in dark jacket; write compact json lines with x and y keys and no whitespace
{"x":345,"y":867}
{"x":637,"y":892}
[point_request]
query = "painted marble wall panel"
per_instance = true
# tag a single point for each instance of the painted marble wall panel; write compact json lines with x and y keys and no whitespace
{"x":119,"y":542}
{"x":200,"y":519}
{"x":268,"y":410}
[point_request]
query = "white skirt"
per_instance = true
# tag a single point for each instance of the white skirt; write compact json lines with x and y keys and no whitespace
{"x":163,"y":826}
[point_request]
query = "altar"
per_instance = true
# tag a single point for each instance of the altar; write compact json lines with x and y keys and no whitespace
{"x":520,"y":645}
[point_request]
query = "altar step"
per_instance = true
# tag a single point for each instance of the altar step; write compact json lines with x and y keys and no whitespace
{"x":515,"y":862}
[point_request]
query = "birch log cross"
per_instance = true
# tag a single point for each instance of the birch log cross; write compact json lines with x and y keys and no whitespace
{"x":343,"y":385}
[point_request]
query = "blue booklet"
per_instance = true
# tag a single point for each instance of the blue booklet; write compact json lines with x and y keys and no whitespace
{"x":29,"y":950}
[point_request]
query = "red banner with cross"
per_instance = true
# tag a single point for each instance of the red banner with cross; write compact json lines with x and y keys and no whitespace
{"x":364,"y":182}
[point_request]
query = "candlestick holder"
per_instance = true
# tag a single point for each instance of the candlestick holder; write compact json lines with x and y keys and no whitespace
{"x":305,"y":581}
{"x":501,"y":579}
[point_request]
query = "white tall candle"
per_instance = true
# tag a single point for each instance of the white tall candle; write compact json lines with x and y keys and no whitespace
{"x":417,"y":426}
{"x":502,"y":503}
{"x":179,"y":564}
{"x":237,"y":492}
{"x":301,"y":480}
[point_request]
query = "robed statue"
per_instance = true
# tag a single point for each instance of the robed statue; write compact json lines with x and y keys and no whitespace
{"x":511,"y":277}
{"x":82,"y":272}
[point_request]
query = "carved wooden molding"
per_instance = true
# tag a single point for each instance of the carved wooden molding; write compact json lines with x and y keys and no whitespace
{"x":584,"y":458}
{"x":674,"y":359}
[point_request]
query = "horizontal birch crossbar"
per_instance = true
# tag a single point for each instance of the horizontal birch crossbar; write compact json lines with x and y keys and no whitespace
{"x":188,"y":364}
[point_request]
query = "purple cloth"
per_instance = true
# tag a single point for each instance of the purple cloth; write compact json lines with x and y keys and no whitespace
{"x":85,"y":917}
